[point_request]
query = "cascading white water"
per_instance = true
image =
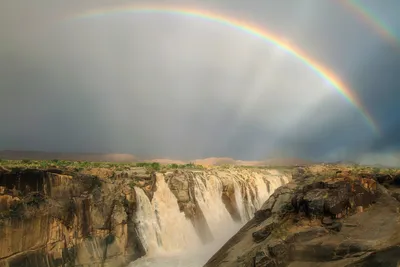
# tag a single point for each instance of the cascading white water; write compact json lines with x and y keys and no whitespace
{"x":244,"y":216}
{"x":208,"y":193}
{"x":147,"y":225}
{"x":248,"y":203}
{"x":170,"y":239}
{"x":162,"y":227}
{"x":261,"y":189}
{"x":255,"y":185}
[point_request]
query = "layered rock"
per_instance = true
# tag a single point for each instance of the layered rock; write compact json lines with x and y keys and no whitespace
{"x":323,"y":216}
{"x":69,"y":217}
{"x":56,"y":218}
{"x":235,"y":183}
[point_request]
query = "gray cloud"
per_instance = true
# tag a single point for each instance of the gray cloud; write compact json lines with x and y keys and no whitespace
{"x":172,"y":86}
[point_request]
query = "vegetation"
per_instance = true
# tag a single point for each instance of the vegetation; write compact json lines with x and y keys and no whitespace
{"x":55,"y":163}
{"x":156,"y":166}
{"x":80,"y":165}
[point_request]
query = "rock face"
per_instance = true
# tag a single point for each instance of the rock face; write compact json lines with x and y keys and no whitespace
{"x":181,"y":185}
{"x":321,"y":218}
{"x":56,"y":218}
{"x":90,"y":217}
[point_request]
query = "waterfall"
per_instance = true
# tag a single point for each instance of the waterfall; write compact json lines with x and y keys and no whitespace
{"x":261,"y":189}
{"x":147,"y":224}
{"x":162,"y":227}
{"x":256,"y":189}
{"x":244,"y":216}
{"x":208,"y":193}
{"x":170,"y":238}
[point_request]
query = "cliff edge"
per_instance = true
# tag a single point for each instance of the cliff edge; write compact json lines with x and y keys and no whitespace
{"x":54,"y":217}
{"x":326,"y":216}
{"x":79,"y":215}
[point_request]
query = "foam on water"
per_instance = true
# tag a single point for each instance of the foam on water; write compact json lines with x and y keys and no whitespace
{"x":169,"y":237}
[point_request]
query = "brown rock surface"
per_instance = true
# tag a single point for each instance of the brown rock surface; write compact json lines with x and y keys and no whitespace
{"x":327,"y":216}
{"x":315,"y":220}
{"x":61,"y":218}
{"x":83,"y":216}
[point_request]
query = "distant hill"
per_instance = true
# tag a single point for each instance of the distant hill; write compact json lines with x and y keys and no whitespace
{"x":269,"y":162}
{"x":215,"y":161}
{"x":166,"y":161}
{"x":115,"y":157}
{"x":286,"y":162}
{"x":40,"y":155}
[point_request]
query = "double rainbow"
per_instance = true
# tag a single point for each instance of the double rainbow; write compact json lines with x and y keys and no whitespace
{"x":372,"y":20}
{"x":243,"y":26}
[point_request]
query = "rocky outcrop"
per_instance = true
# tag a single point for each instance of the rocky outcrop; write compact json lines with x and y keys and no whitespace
{"x":182,"y":184}
{"x":68,"y":217}
{"x":323,"y":216}
{"x":62,"y":218}
{"x":89,"y":217}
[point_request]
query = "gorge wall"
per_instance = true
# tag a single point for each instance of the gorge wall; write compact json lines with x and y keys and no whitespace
{"x":327,"y":215}
{"x":101,"y":217}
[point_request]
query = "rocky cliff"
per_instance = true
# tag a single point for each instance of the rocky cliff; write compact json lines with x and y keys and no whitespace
{"x":63,"y":218}
{"x":95,"y":217}
{"x":326,"y":216}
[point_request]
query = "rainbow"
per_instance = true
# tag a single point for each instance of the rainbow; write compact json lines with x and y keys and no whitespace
{"x":253,"y":30}
{"x":373,"y":21}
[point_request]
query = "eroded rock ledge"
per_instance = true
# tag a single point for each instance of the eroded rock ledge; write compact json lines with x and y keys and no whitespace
{"x":56,"y":217}
{"x":87,"y":217}
{"x":323,"y":217}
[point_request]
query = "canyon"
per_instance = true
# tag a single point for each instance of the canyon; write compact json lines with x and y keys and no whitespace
{"x":134,"y":216}
{"x":191,"y":216}
{"x":327,"y":215}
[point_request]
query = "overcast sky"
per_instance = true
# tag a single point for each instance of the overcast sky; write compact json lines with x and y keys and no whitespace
{"x":159,"y":85}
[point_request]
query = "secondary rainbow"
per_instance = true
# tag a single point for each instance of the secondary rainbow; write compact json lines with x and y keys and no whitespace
{"x":248,"y":28}
{"x":369,"y":18}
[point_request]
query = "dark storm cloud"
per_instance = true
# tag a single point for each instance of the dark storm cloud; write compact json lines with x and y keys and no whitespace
{"x":379,"y":79}
{"x":166,"y":86}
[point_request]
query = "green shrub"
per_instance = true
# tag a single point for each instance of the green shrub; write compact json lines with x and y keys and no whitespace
{"x":141,"y":164}
{"x":155,"y":166}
